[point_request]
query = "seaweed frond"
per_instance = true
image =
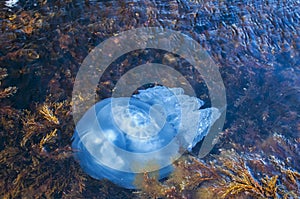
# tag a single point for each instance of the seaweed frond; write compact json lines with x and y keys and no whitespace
{"x":9,"y":91}
{"x":47,"y":138}
{"x":48,"y":114}
{"x":290,"y":178}
{"x":150,"y":186}
{"x":237,"y":179}
{"x":228,"y":176}
{"x":188,"y":174}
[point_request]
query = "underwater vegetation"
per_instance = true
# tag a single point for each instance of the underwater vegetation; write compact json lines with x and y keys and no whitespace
{"x":227,"y":175}
{"x":118,"y":138}
{"x":36,"y":158}
{"x":256,"y":44}
{"x":9,"y":91}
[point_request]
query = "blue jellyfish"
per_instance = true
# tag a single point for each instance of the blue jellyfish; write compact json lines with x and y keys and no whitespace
{"x":119,"y":138}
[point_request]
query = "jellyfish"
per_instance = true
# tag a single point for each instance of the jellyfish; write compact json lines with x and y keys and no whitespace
{"x":120,"y":138}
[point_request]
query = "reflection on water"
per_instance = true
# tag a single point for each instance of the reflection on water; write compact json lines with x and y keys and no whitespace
{"x":256,"y":44}
{"x":11,"y":3}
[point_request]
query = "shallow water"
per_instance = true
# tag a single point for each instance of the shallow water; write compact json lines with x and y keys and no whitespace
{"x":256,"y":45}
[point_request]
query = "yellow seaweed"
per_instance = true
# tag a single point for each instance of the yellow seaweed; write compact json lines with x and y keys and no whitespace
{"x":48,"y":114}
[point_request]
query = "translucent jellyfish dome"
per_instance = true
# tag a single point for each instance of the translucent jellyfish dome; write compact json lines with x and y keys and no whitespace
{"x":119,"y":138}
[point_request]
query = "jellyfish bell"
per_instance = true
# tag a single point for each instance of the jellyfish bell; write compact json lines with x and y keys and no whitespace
{"x":118,"y":138}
